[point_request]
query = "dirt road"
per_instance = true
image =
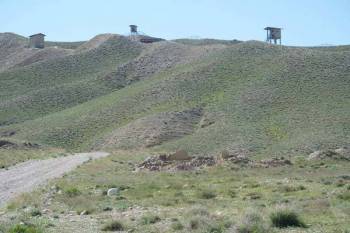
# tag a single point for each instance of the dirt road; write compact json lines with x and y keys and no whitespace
{"x":27,"y":176}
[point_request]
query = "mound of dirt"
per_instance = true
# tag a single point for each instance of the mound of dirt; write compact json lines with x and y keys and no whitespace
{"x":163,"y":163}
{"x":154,"y":130}
{"x":96,"y":42}
{"x":166,"y":162}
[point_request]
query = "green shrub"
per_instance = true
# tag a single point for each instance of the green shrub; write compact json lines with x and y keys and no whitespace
{"x":107,"y":208}
{"x":150,"y":219}
{"x":113,"y":226}
{"x":72,"y":192}
{"x":24,"y":229}
{"x":232,"y":193}
{"x":194,"y":224}
{"x":340,"y":183}
{"x":289,"y":188}
{"x":35,"y":212}
{"x":286,"y":218}
{"x":344,"y":196}
{"x":207,"y":194}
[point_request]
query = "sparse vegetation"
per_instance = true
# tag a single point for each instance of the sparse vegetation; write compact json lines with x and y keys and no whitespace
{"x":148,"y":192}
{"x":72,"y":192}
{"x":217,"y":81}
{"x":253,"y":223}
{"x":24,"y":229}
{"x":255,"y":100}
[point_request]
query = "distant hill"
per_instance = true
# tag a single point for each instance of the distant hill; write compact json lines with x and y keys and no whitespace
{"x":206,"y":41}
{"x":202,"y":96}
{"x":14,"y":51}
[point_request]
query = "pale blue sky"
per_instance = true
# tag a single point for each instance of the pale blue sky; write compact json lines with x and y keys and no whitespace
{"x":305,"y":22}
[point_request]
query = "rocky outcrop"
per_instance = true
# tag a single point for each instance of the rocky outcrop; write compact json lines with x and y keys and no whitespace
{"x":181,"y":161}
{"x":342,"y":153}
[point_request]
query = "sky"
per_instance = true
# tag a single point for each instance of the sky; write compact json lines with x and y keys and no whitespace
{"x":304,"y":22}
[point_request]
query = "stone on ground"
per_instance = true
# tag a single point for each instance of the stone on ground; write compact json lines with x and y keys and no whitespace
{"x":112,"y":192}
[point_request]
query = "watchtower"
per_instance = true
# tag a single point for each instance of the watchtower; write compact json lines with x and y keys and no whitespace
{"x":37,"y":41}
{"x":133,"y":30}
{"x":135,"y":35}
{"x":273,"y":34}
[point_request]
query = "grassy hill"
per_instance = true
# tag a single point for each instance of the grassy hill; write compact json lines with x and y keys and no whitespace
{"x":205,"y":96}
{"x":33,"y":91}
{"x":259,"y":98}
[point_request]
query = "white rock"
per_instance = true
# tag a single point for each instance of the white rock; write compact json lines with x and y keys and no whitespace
{"x":112,"y":192}
{"x":315,"y":155}
{"x":84,"y":212}
{"x":343,"y":151}
{"x":45,"y":211}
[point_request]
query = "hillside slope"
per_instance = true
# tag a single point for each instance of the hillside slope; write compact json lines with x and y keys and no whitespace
{"x":14,"y":51}
{"x":28,"y":92}
{"x":251,"y":96}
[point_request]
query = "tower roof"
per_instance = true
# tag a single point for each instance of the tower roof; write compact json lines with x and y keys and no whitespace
{"x":38,"y":34}
{"x":272,"y":28}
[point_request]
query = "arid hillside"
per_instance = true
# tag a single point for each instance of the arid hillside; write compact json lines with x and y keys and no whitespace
{"x":184,"y":136}
{"x":116,"y":93}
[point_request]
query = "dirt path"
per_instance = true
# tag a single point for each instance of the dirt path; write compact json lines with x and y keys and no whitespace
{"x":27,"y":176}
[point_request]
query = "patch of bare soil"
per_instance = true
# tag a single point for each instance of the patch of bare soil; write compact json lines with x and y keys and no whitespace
{"x":154,"y":130}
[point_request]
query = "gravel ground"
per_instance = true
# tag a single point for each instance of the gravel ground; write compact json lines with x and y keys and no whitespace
{"x":27,"y":176}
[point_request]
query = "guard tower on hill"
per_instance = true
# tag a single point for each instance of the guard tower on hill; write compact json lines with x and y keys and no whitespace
{"x":133,"y":30}
{"x":37,"y":41}
{"x":273,"y":34}
{"x":142,"y":37}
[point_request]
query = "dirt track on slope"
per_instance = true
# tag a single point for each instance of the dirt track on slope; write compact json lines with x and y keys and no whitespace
{"x":27,"y":176}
